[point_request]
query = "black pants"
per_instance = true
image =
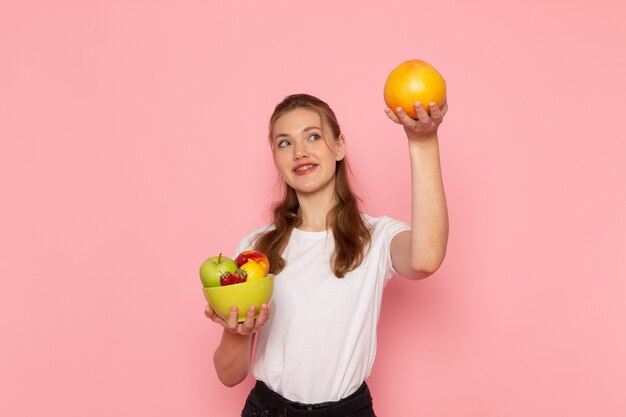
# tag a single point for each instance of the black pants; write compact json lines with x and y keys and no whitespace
{"x":263,"y":402}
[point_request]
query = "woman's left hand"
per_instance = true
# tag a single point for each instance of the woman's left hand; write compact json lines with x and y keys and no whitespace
{"x":426,"y":125}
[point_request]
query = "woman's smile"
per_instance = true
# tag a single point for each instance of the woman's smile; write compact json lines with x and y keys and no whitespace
{"x":303,"y":169}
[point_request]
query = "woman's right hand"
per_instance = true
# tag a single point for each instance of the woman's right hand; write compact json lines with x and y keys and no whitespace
{"x":248,"y":327}
{"x":233,"y":356}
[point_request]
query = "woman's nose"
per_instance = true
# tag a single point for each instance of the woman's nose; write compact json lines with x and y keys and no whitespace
{"x":299,"y":151}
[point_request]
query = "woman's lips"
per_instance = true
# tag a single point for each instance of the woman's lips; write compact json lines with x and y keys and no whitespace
{"x":308,"y":168}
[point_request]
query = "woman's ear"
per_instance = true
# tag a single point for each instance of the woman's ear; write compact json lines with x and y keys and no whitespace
{"x":341,"y":147}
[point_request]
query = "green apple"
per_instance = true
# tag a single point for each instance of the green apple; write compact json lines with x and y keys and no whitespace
{"x":213,"y":268}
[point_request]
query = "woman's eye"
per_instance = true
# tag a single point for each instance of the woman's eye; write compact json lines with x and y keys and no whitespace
{"x":282,"y":143}
{"x":315,"y":137}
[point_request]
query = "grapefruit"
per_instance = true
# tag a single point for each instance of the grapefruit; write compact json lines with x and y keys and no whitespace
{"x":414,"y":81}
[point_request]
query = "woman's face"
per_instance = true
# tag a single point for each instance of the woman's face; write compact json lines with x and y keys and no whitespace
{"x":305,"y":151}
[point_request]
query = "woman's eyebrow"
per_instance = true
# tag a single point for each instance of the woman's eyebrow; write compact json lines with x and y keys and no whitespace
{"x":306,"y":129}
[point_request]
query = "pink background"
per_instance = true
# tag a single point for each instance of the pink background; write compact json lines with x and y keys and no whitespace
{"x":133,"y":147}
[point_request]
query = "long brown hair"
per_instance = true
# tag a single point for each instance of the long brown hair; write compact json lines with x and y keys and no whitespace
{"x":351,"y":234}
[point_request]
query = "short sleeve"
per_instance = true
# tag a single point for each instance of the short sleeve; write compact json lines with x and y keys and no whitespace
{"x":386,"y":229}
{"x":246,"y":243}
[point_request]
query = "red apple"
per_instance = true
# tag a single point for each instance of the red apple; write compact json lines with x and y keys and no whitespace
{"x":256,"y":256}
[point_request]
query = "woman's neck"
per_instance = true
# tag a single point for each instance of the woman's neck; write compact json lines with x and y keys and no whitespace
{"x":314,"y":209}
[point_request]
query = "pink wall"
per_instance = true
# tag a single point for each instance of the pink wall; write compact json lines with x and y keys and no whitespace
{"x":132,"y":148}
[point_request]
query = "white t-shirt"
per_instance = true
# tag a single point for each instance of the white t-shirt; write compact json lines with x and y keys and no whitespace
{"x":320,"y":341}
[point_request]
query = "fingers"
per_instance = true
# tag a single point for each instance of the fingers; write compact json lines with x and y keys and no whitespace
{"x":404,"y":118}
{"x":444,"y":106}
{"x":424,"y":120}
{"x":392,"y":115}
{"x":264,"y":315}
{"x":422,"y":115}
{"x":431,"y":118}
{"x":436,"y":113}
{"x":208,"y":311}
{"x":213,"y":316}
{"x":248,"y":326}
{"x":231,"y":321}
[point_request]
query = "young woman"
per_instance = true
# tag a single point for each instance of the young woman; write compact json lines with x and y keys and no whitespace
{"x":317,"y":338}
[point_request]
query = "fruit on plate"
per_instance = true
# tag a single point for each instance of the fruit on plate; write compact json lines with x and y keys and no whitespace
{"x":411,"y":82}
{"x":212,"y":270}
{"x":256,"y":256}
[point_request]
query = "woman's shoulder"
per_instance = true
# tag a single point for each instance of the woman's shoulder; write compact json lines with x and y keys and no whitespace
{"x":259,"y":230}
{"x":379,"y":220}
{"x":384,"y":224}
{"x":248,"y":240}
